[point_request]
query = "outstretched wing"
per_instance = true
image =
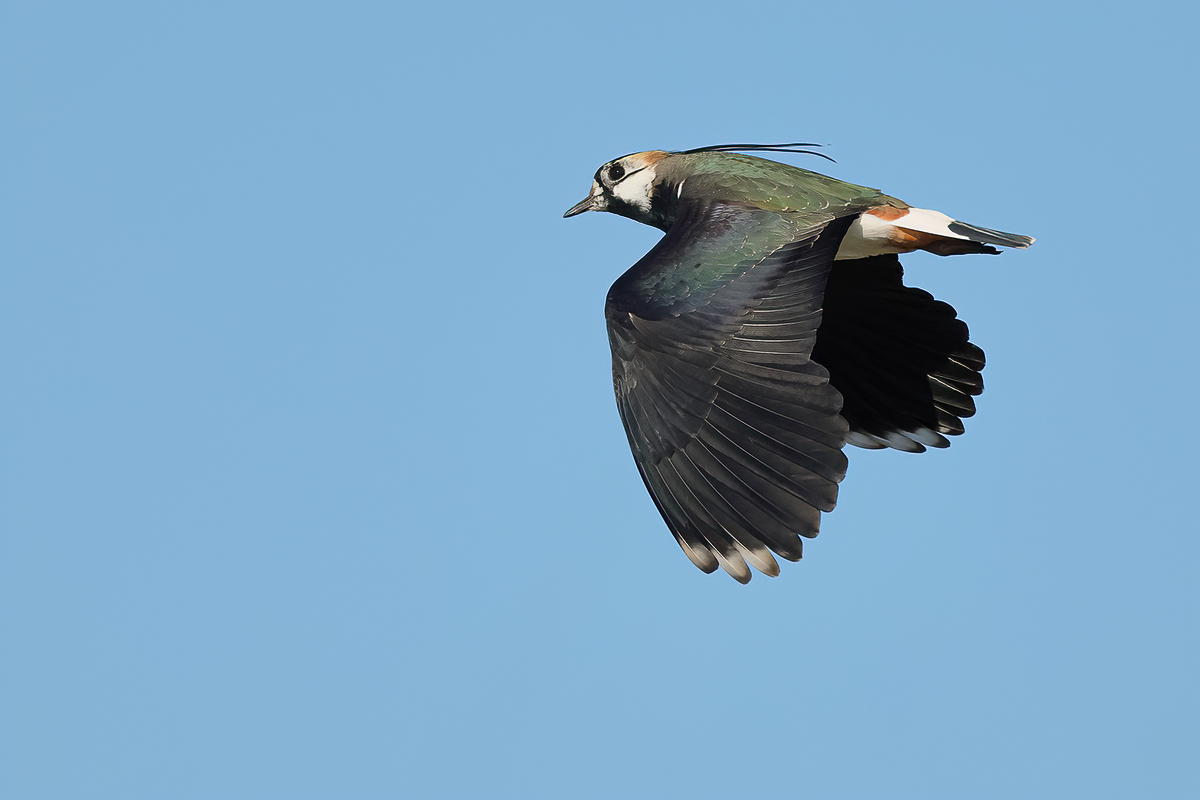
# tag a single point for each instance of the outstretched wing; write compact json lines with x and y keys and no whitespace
{"x":735,"y":430}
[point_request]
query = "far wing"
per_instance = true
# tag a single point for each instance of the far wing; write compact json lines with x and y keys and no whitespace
{"x":902,"y":360}
{"x":736,"y":432}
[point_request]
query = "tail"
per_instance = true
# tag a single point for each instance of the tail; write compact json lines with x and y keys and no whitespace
{"x":989,"y":236}
{"x":949,"y":237}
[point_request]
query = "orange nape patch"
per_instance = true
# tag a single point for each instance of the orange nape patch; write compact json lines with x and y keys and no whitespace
{"x":648,"y":158}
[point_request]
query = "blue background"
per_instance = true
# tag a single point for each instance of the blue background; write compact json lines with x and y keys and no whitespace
{"x":311,"y":480}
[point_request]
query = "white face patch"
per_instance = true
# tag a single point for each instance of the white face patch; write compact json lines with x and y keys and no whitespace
{"x":635,"y":189}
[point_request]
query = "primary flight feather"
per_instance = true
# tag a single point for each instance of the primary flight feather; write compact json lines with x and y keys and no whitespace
{"x":768,"y":328}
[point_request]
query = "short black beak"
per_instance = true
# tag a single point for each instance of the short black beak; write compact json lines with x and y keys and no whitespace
{"x":587,"y":205}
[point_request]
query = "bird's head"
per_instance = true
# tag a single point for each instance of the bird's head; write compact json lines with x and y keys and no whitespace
{"x":630,"y":186}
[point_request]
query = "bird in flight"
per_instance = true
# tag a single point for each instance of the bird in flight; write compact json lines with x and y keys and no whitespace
{"x":768,"y":328}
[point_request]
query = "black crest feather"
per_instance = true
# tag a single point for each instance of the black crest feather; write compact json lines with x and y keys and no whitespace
{"x":786,"y":147}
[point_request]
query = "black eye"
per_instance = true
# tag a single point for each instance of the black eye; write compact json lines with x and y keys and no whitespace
{"x":615,"y":173}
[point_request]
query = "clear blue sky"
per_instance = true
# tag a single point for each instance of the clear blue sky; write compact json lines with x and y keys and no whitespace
{"x":312,"y":484}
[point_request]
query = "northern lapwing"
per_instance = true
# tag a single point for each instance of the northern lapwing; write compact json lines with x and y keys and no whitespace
{"x":768,"y":328}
